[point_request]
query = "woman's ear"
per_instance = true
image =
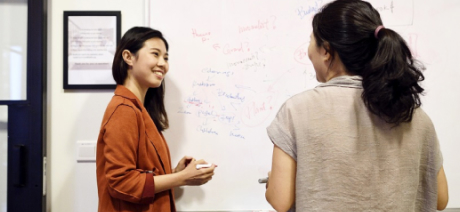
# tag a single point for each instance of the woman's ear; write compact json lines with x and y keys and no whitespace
{"x":128,"y":57}
{"x":326,"y":52}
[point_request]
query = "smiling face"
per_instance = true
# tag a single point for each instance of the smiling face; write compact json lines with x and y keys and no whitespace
{"x":149,"y":66}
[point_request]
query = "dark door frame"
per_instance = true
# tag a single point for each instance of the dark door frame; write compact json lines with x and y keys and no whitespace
{"x":27,"y":122}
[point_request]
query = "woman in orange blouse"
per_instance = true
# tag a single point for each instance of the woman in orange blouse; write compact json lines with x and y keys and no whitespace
{"x":133,"y":162}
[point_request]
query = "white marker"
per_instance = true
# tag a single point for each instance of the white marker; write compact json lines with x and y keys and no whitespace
{"x":199,"y":166}
{"x":263,"y":180}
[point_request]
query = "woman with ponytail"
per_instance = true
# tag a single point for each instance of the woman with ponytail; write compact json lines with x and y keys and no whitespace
{"x":359,"y":141}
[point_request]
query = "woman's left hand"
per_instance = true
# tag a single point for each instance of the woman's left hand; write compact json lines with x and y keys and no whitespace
{"x":183,"y":163}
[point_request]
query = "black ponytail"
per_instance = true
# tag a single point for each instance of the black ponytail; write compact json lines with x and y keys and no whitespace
{"x":390,"y":73}
{"x":390,"y":81}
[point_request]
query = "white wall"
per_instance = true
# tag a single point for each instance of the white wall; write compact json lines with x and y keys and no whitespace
{"x":75,"y":115}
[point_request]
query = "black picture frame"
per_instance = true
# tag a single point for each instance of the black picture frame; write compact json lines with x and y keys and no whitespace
{"x":93,"y":41}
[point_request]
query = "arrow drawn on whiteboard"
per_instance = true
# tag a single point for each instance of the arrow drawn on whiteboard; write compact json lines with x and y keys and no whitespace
{"x":209,"y":78}
{"x":244,"y":87}
{"x":216,"y":46}
{"x":236,"y":126}
{"x":235,"y":104}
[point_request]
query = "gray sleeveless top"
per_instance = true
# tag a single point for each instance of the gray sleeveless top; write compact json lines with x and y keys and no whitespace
{"x":348,"y":159}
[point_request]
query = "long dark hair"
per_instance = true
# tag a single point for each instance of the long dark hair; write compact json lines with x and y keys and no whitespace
{"x":390,"y":74}
{"x":133,"y":40}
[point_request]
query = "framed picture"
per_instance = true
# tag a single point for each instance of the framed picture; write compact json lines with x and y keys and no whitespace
{"x":90,"y":42}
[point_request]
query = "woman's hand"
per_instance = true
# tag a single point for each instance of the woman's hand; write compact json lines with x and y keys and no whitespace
{"x":183,"y":163}
{"x":184,"y":174}
{"x":193,"y":176}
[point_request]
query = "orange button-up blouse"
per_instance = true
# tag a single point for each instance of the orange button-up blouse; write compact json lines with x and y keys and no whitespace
{"x":130,"y":151}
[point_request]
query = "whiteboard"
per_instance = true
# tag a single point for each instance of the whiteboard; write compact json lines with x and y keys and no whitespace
{"x":233,"y":63}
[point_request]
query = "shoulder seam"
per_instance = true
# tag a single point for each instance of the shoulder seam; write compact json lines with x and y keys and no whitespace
{"x":121,"y":104}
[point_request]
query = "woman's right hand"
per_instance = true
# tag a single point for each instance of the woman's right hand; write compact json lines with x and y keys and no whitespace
{"x":194,"y":177}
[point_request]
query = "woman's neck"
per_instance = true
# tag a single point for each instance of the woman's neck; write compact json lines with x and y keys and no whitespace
{"x":337,"y":69}
{"x":136,"y":89}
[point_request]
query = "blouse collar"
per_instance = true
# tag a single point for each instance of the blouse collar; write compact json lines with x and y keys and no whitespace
{"x":346,"y":81}
{"x":126,"y":93}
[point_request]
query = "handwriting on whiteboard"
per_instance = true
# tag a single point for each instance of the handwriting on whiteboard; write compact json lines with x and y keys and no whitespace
{"x":244,"y":71}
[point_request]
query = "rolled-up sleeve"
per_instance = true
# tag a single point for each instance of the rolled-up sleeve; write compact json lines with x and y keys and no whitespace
{"x":121,"y":140}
